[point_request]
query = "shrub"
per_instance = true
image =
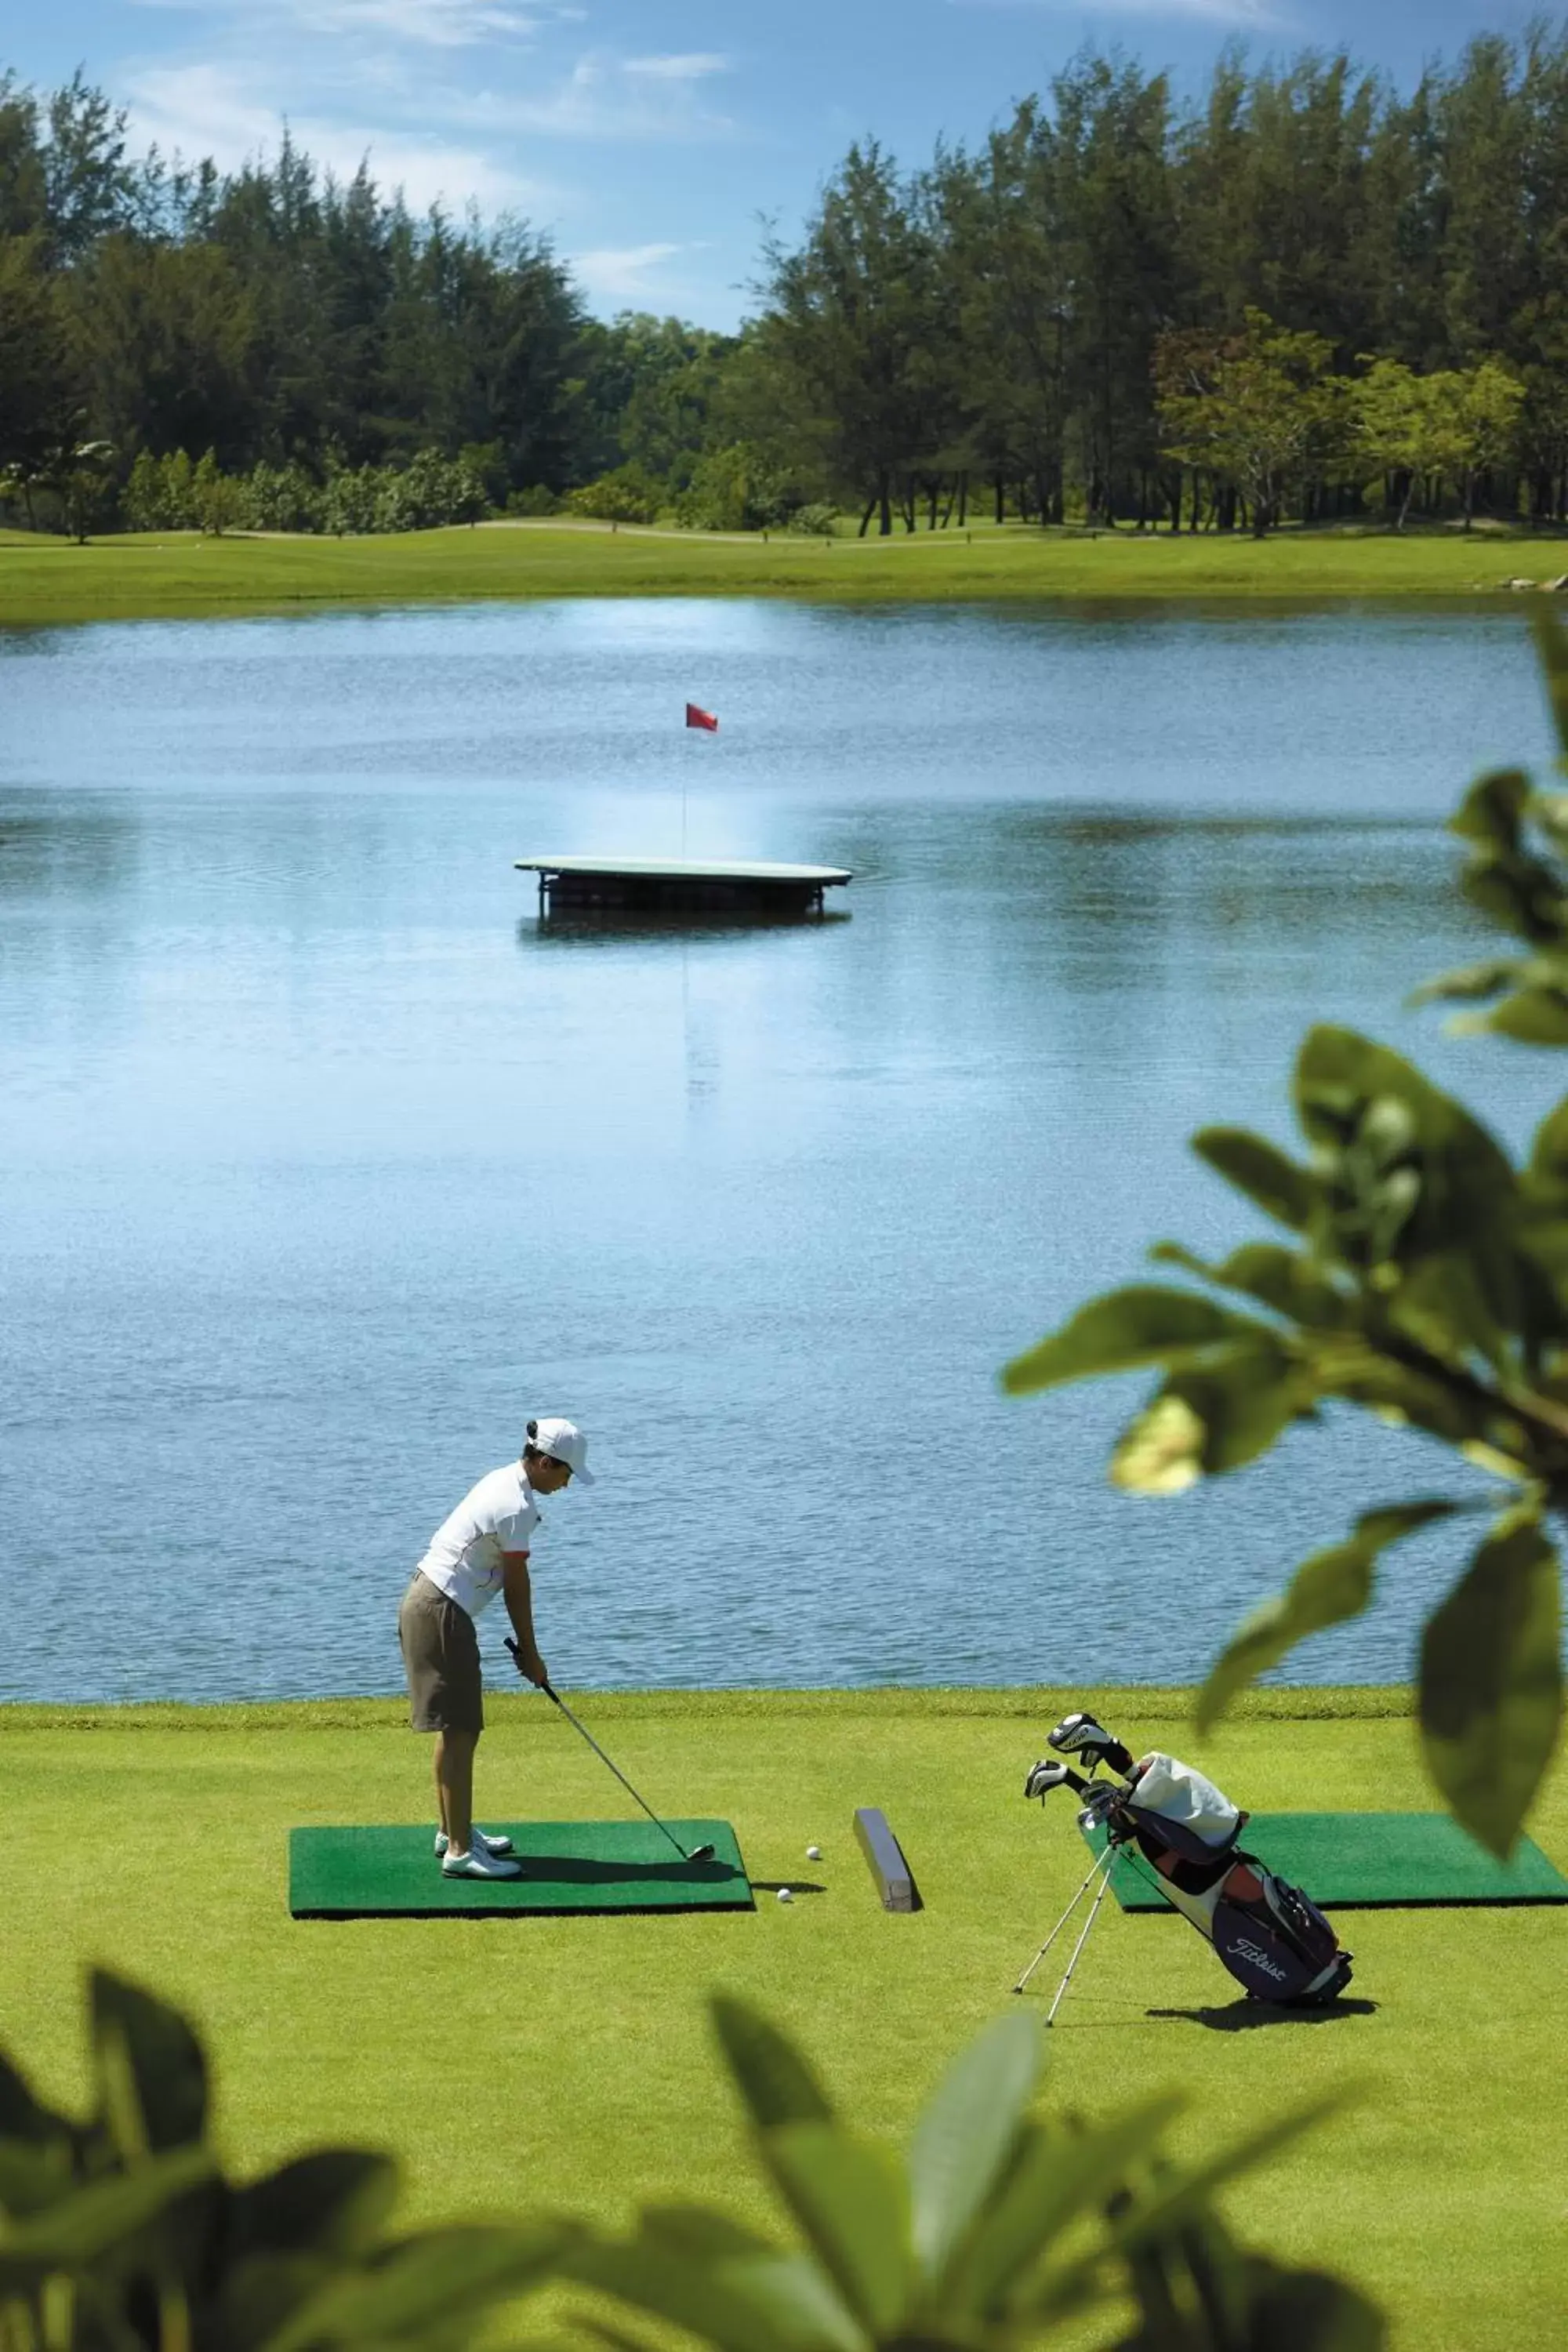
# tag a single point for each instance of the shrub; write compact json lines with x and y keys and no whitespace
{"x":534,"y":501}
{"x":629,"y":494}
{"x":815,"y":520}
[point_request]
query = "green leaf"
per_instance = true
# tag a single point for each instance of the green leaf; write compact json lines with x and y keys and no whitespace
{"x":1442,"y":1305}
{"x":1125,"y":1330}
{"x":1288,"y":1192}
{"x":1491,"y":1681}
{"x":1492,"y":811}
{"x":1214,"y":1418}
{"x":260,"y":2294}
{"x":1552,"y":645}
{"x":34,"y":2176}
{"x":334,"y":2201}
{"x":1546,"y":1175}
{"x":1309,"y":2310}
{"x":438,"y":2279}
{"x":1531,"y":1016}
{"x":701,"y":2232}
{"x":720,"y":2309}
{"x":167,"y":2070}
{"x":1175,"y":2199}
{"x":21,"y":2115}
{"x":96,"y":2221}
{"x":851,"y":2200}
{"x":1059,"y":2176}
{"x":1288,"y":1281}
{"x":769,"y":2071}
{"x":800,"y":2302}
{"x":1327,"y":1588}
{"x":1406,"y":1170}
{"x":1470,"y":981}
{"x":966,"y":2133}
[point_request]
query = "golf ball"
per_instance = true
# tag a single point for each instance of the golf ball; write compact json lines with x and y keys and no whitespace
{"x":784,"y":1894}
{"x":814,"y":1853}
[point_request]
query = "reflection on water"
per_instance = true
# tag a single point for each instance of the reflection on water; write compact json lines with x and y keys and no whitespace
{"x":325,"y":1166}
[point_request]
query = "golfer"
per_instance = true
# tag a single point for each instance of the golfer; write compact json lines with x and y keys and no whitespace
{"x":480,"y":1550}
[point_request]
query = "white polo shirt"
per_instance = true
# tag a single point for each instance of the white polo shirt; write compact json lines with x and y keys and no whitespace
{"x":498,"y":1516}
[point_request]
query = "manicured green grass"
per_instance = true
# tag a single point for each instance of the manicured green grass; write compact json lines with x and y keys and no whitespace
{"x":172,"y":574}
{"x":566,"y":2061}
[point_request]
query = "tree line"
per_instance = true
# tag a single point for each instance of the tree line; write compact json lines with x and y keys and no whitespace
{"x":1305,"y":295}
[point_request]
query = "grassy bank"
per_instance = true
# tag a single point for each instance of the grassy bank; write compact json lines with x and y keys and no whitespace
{"x":150,"y":576}
{"x":517,"y":2061}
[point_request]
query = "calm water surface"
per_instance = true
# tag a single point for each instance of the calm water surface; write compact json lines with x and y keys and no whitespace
{"x":324,"y":1167}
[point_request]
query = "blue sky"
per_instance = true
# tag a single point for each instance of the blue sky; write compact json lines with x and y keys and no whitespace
{"x":645,"y":136}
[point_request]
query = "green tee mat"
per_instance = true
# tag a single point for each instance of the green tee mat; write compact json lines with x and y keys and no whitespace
{"x":1360,"y":1861}
{"x":357,"y":1874}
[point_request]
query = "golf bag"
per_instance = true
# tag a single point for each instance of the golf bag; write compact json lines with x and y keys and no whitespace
{"x":1273,"y":1940}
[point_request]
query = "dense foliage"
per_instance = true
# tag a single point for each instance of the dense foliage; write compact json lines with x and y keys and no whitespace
{"x":1424,"y":1279}
{"x":1308,"y":295}
{"x":122,"y":2234}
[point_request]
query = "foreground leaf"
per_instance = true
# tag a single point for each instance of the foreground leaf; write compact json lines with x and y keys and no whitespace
{"x":164,"y":2059}
{"x":95,"y":2222}
{"x":1125,"y":1331}
{"x":965,"y":2135}
{"x":1060,"y":2176}
{"x":1491,"y":1681}
{"x":851,"y":2200}
{"x":333,"y":2200}
{"x":729,"y":2304}
{"x":1327,"y":1588}
{"x":768,"y":2071}
{"x":1214,"y":1417}
{"x":442,"y":2280}
{"x":1177,"y":2199}
{"x":1288,"y":1192}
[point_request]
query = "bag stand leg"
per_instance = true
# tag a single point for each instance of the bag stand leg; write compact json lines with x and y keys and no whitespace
{"x":1083,"y":1938}
{"x":1102,"y":1863}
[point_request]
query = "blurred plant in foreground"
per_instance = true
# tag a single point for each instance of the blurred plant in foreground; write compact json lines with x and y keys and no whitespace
{"x":1426,"y":1283}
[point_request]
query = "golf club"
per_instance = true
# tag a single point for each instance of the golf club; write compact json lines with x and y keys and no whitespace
{"x":698,"y":1853}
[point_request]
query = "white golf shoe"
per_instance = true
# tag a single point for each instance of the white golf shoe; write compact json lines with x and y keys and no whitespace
{"x":477,"y":1864}
{"x":479,"y":1837}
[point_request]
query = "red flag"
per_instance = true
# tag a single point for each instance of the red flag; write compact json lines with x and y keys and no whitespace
{"x":696,"y":717}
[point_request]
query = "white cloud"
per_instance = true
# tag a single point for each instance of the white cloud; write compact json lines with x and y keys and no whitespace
{"x":421,"y":24}
{"x":1257,"y":15}
{"x":601,"y":97}
{"x":694,"y":65}
{"x":207,"y":109}
{"x":620,"y":273}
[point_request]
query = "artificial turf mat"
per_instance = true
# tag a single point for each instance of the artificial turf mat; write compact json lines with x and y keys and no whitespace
{"x":1366,"y":1860}
{"x":357,"y":1874}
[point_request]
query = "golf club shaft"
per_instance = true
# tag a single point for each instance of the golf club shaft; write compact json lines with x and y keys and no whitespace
{"x":615,"y":1769}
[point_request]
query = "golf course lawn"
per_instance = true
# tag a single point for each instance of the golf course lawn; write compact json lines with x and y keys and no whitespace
{"x":175,"y":574}
{"x":522,"y":2061}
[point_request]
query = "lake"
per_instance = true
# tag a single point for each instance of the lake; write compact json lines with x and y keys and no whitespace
{"x":324,"y":1166}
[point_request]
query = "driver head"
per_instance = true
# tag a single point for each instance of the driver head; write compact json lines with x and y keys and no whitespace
{"x":1082,"y":1735}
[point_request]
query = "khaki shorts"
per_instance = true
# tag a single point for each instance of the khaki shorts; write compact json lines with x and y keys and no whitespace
{"x":441,"y":1660}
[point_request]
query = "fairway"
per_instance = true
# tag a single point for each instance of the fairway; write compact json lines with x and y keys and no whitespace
{"x":174,"y":574}
{"x":565,"y":2060}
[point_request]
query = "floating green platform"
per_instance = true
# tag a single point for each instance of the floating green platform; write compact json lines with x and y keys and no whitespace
{"x":359,"y":1874}
{"x":1364,"y":1860}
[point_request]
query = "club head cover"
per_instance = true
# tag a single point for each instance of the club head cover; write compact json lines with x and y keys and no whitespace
{"x":1079,"y":1734}
{"x":1044,"y":1776}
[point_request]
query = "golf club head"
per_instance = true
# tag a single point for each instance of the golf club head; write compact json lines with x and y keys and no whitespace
{"x":1079,"y":1734}
{"x":1099,"y":1802}
{"x":701,"y":1853}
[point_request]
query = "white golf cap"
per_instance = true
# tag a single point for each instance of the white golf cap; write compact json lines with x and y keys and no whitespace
{"x":564,"y":1442}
